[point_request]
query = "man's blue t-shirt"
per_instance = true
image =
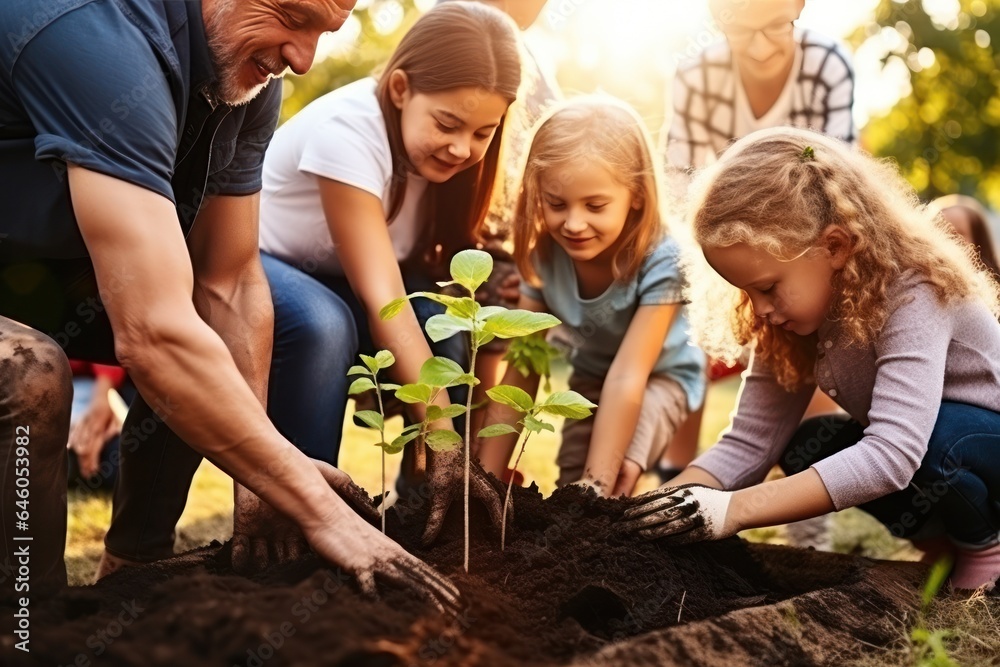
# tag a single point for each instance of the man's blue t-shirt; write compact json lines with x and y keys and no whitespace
{"x":598,"y":326}
{"x":122,"y":87}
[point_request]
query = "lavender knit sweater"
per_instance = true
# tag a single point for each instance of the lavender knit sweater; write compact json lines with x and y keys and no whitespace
{"x":927,"y":352}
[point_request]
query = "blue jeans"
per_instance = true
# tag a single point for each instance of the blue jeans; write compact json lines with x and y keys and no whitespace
{"x":957,"y":485}
{"x":319,"y":330}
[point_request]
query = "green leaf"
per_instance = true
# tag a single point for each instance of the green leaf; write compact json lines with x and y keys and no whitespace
{"x":388,"y":386}
{"x":935,"y":579}
{"x":536,"y":425}
{"x":393,"y":308}
{"x":458,"y":306}
{"x":443,"y":440}
{"x":413,"y":428}
{"x":471,"y":268}
{"x":406,"y":437}
{"x":414,"y":393}
{"x":394,"y":447}
{"x":487,"y":312}
{"x":371,"y":418}
{"x":483,"y":337}
{"x":514,"y":397}
{"x":532,"y":354}
{"x":360,"y":386}
{"x":493,"y":430}
{"x":465,"y":378}
{"x":567,"y":404}
{"x":358,"y":370}
{"x":439,"y":327}
{"x":464,"y":307}
{"x":435,"y":413}
{"x":513,"y":323}
{"x":370,"y":363}
{"x":384,"y":359}
{"x":440,"y":372}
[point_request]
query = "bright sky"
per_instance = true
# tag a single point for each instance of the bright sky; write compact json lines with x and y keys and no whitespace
{"x":641,"y":41}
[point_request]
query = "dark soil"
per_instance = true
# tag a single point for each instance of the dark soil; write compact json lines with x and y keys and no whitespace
{"x":568,"y":590}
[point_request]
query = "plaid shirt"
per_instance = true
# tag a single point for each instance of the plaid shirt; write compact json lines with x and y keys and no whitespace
{"x":704,"y":99}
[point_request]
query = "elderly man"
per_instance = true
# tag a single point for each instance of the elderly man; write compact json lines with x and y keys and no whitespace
{"x":132,"y":134}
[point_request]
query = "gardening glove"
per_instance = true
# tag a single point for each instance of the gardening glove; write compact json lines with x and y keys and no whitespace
{"x":262,"y":536}
{"x":680,"y":514}
{"x":349,"y":543}
{"x":446,"y":478}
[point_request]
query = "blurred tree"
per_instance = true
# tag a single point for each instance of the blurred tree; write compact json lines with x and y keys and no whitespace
{"x":946,"y":133}
{"x":363,"y":45}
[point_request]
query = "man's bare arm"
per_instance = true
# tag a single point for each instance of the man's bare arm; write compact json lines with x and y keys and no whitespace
{"x":174,"y":357}
{"x":230,"y":289}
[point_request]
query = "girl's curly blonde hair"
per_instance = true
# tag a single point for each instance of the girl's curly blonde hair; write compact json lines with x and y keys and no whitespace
{"x":601,"y":130}
{"x":778,"y":190}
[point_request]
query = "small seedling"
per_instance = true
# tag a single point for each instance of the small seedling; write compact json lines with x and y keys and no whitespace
{"x":436,"y":374}
{"x":533,"y":354}
{"x":567,"y":404}
{"x":470,"y":269}
{"x":368,"y":382}
{"x":929,"y":645}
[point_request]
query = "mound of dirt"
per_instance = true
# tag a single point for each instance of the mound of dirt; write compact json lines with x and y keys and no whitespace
{"x":568,"y":590}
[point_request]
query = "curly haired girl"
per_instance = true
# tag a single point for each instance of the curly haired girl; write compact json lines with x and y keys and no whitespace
{"x":837,"y":277}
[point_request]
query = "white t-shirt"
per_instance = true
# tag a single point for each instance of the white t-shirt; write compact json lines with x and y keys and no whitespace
{"x":745,"y":120}
{"x":340,"y":136}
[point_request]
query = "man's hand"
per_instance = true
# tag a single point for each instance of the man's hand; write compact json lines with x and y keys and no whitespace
{"x":263,"y":536}
{"x":363,"y":551}
{"x":681,"y":515}
{"x":446,"y":478}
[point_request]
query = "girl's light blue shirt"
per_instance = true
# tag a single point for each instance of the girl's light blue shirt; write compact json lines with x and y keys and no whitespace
{"x":597,"y":326}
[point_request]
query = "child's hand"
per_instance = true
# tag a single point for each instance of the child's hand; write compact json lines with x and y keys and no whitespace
{"x":681,"y":515}
{"x":628,"y":475}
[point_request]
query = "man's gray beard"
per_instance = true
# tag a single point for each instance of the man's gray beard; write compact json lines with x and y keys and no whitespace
{"x":227,"y":65}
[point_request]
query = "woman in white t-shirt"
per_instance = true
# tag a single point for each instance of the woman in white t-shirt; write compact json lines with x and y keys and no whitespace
{"x":368,"y":192}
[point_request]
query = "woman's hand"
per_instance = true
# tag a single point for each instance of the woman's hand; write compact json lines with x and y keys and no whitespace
{"x":682,"y":515}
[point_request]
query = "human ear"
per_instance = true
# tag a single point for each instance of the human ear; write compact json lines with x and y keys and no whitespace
{"x":838,"y":243}
{"x":399,"y":87}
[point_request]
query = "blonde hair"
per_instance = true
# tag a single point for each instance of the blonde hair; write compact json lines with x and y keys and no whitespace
{"x":778,"y":190}
{"x":594,"y":129}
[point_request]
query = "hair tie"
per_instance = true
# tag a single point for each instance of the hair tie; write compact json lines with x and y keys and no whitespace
{"x":807,"y":154}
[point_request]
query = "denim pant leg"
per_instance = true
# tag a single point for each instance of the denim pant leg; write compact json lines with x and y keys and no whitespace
{"x":958,"y":479}
{"x":960,"y":475}
{"x":315,"y":343}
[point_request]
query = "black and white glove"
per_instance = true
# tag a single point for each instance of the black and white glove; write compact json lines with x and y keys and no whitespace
{"x":680,"y":515}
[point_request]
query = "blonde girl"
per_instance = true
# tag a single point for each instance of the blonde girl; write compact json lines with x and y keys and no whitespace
{"x":838,"y":279}
{"x":592,"y":249}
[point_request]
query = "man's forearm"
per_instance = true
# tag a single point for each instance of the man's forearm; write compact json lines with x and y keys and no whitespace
{"x":242,"y":314}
